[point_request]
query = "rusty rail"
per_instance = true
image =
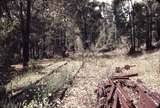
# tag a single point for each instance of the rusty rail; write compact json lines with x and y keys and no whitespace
{"x":111,"y":93}
{"x":114,"y":93}
{"x":116,"y":103}
{"x":145,"y":100}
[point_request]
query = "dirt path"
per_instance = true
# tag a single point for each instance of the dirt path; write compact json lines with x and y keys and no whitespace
{"x":81,"y":95}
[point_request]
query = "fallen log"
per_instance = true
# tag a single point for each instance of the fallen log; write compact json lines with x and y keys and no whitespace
{"x":128,"y":67}
{"x":117,"y":97}
{"x":126,"y":75}
{"x":120,"y":78}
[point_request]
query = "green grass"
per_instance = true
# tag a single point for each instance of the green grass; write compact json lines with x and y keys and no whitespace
{"x":53,"y":83}
{"x":42,"y":91}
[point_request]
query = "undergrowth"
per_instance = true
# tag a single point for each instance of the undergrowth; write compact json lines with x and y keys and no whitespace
{"x":39,"y":95}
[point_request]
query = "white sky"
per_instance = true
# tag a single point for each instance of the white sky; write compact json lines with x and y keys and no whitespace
{"x":110,"y":1}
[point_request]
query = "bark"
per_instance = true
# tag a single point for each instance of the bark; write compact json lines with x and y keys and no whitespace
{"x":37,"y":51}
{"x":25,"y":34}
{"x":149,"y":45}
{"x":44,"y":47}
{"x":158,"y":31}
{"x":133,"y":38}
{"x":5,"y":7}
{"x":22,"y":29}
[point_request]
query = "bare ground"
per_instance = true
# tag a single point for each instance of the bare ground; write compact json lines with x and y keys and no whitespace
{"x":96,"y":69}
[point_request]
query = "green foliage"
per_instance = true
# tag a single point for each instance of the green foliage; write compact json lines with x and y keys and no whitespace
{"x":54,"y":25}
{"x":38,"y":104}
{"x":33,"y":64}
{"x":6,"y":27}
{"x":8,"y":41}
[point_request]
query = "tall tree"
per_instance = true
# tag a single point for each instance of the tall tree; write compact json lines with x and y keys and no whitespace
{"x":25,"y":29}
{"x":121,"y":14}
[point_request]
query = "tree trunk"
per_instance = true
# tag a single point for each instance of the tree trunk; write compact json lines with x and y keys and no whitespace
{"x":134,"y":34}
{"x":44,"y":47}
{"x":158,"y":31}
{"x":26,"y":33}
{"x":149,"y":45}
{"x":5,"y":7}
{"x":22,"y":31}
{"x":37,"y":51}
{"x":133,"y":40}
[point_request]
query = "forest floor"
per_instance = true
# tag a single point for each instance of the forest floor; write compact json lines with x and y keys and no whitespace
{"x":96,"y":69}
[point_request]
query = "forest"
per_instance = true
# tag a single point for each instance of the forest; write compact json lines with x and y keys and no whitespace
{"x":53,"y":52}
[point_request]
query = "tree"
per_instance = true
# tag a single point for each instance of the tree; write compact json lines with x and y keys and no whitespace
{"x":149,"y":14}
{"x":25,"y":30}
{"x":121,"y":14}
{"x":158,"y":1}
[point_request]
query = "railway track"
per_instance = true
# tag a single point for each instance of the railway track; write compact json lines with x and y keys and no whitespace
{"x":52,"y":84}
{"x":121,"y":91}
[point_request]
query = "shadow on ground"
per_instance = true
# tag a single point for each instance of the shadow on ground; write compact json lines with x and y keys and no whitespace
{"x":7,"y":74}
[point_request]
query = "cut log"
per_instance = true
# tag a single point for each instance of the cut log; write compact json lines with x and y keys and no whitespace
{"x":126,"y":75}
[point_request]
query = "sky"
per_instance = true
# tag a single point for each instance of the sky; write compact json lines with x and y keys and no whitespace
{"x":110,"y":1}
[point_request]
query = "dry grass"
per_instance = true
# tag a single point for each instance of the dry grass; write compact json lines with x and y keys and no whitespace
{"x":54,"y":82}
{"x":147,"y":66}
{"x":96,"y":69}
{"x":31,"y":77}
{"x":54,"y":77}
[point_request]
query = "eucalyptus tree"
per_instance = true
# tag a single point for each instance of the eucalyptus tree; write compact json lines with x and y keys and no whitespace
{"x":120,"y":13}
{"x":87,"y":17}
{"x":124,"y":12}
{"x":137,"y":14}
{"x":157,"y":21}
{"x":8,"y":32}
{"x":149,"y":14}
{"x":25,"y":37}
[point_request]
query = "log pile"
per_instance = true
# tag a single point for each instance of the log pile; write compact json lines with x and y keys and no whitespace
{"x":116,"y":93}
